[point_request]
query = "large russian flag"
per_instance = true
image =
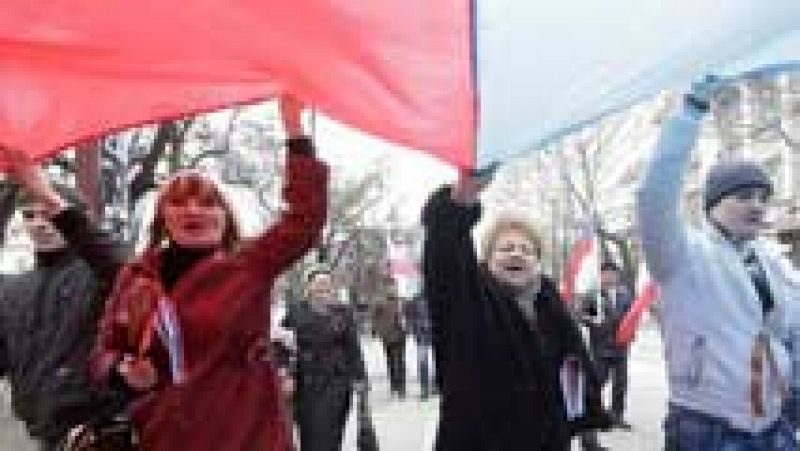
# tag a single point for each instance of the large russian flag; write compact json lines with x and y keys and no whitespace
{"x":72,"y":69}
{"x":465,"y":80}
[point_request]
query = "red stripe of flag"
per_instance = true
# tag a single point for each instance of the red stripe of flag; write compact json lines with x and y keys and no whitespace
{"x":75,"y":69}
{"x":580,"y":251}
{"x":630,"y":323}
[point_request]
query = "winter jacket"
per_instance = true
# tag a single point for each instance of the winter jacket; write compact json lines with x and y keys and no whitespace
{"x":389,"y":321}
{"x":48,"y":319}
{"x":329,"y":362}
{"x":499,"y":370}
{"x":602,"y":333}
{"x":228,"y":397}
{"x":419,"y":320}
{"x":327,"y":343}
{"x":711,"y":314}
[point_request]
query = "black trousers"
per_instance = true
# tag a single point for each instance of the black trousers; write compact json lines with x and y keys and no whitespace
{"x":321,"y":412}
{"x":49,"y":444}
{"x":396,"y":362}
{"x":425,"y":368}
{"x":616,"y":371}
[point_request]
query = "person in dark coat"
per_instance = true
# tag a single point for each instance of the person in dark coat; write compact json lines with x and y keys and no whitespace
{"x":389,"y":322}
{"x":184,"y":328}
{"x":419,"y":322}
{"x":330,"y":366}
{"x":48,"y":315}
{"x":602,"y":311}
{"x":503,"y":337}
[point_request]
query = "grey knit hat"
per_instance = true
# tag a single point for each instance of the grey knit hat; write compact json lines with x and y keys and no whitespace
{"x":727,"y":177}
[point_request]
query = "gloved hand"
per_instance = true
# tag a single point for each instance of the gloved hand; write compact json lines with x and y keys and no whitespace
{"x":471,"y":183}
{"x":702,"y":92}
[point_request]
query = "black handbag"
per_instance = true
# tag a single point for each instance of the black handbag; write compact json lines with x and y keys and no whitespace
{"x":366,"y":439}
{"x":114,"y":434}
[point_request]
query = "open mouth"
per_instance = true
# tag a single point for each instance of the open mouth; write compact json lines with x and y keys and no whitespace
{"x":194,"y":226}
{"x":514,"y":268}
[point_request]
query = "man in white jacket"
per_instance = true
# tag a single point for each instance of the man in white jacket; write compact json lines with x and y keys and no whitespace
{"x":729,"y":302}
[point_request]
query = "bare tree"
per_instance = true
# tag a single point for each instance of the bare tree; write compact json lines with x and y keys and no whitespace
{"x":349,"y":204}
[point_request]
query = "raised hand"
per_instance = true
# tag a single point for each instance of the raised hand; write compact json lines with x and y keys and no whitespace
{"x":291,"y":114}
{"x":702,"y":92}
{"x":471,"y":183}
{"x":31,"y":178}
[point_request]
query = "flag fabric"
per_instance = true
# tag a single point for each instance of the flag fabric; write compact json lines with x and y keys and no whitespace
{"x":72,"y":69}
{"x":573,"y":386}
{"x":403,"y":268}
{"x":646,"y":294}
{"x":547,"y":68}
{"x":169,"y":331}
{"x":464,"y":80}
{"x":582,"y":271}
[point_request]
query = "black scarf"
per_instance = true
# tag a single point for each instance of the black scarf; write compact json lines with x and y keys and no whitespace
{"x":177,"y":261}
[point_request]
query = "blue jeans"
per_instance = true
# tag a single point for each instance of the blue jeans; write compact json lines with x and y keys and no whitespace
{"x":425,"y":368}
{"x":687,"y":430}
{"x":791,"y":408}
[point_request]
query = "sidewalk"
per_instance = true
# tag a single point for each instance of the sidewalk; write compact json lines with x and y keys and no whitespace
{"x":410,"y":424}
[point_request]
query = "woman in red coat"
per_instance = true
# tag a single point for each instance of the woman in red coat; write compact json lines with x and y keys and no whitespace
{"x":186,"y":327}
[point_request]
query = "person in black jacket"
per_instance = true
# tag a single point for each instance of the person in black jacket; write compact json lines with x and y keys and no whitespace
{"x":419,"y":323}
{"x":503,"y":338}
{"x":330,"y":366}
{"x":48,"y":315}
{"x":602,"y":311}
{"x":389,"y":322}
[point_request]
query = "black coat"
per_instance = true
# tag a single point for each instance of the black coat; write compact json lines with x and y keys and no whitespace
{"x":603,"y":333}
{"x":327,"y":342}
{"x":48,"y":320}
{"x":419,"y":320}
{"x":499,"y":371}
{"x":329,"y":361}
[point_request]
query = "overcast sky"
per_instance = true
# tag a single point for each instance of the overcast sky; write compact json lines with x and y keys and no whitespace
{"x":412,"y":174}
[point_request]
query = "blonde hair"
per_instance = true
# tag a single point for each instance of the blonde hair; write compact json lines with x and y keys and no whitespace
{"x":506,"y":224}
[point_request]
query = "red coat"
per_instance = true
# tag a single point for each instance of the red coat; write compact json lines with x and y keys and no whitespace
{"x":230,"y":399}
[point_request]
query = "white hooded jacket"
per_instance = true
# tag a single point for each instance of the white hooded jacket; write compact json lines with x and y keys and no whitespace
{"x":712,"y":315}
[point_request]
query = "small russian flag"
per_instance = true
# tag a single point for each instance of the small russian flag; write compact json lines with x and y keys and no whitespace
{"x":169,"y":330}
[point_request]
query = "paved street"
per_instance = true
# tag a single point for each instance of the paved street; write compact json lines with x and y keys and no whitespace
{"x":12,"y":436}
{"x":410,"y":425}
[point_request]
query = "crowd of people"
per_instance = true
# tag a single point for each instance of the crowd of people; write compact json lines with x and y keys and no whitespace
{"x":171,"y":349}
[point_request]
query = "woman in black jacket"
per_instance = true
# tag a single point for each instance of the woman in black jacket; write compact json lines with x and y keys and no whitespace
{"x":329,"y":363}
{"x":501,"y":334}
